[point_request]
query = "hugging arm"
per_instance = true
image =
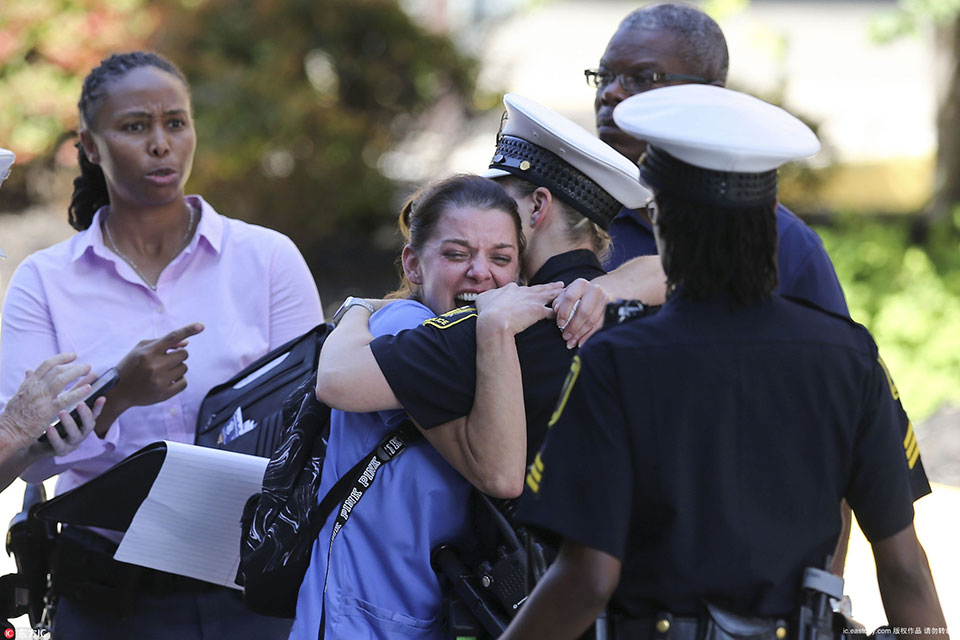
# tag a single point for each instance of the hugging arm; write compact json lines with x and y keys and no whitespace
{"x":460,"y":383}
{"x":489,"y":446}
{"x":348,"y":376}
{"x":638,"y":279}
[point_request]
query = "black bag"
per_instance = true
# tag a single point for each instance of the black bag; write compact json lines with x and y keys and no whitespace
{"x":279,"y":525}
{"x":243,"y":414}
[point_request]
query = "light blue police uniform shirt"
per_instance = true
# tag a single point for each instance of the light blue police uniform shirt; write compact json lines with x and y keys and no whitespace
{"x":380,"y":584}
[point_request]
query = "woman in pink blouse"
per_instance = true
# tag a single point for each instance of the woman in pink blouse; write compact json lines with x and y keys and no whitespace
{"x":148,"y":269}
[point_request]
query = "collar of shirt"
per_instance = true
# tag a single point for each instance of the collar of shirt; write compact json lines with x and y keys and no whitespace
{"x":566,"y":267}
{"x":209,"y":229}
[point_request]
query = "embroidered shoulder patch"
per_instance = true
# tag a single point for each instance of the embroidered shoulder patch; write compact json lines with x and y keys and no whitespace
{"x":450,"y":318}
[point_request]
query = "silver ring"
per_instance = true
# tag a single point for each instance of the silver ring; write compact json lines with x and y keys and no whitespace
{"x":573,"y":312}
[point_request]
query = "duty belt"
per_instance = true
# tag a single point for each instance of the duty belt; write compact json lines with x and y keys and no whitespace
{"x":661,"y":627}
{"x":84,"y":571}
{"x":715,"y":624}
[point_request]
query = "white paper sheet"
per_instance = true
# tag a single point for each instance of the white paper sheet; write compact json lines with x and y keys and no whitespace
{"x":189,"y":523}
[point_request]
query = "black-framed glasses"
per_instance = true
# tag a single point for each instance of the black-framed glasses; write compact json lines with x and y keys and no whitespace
{"x":637,"y":81}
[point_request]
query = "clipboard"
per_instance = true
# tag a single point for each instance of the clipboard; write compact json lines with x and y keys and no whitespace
{"x":110,"y":500}
{"x":178,"y":506}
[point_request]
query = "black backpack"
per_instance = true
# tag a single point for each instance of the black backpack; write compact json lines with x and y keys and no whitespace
{"x":279,"y":525}
{"x":270,"y":409}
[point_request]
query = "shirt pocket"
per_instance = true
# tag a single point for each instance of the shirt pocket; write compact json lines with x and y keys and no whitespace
{"x":361,"y":619}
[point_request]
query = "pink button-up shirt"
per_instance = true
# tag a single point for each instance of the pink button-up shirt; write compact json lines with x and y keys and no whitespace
{"x":248,"y":285}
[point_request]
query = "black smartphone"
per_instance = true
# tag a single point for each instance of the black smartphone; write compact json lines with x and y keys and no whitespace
{"x":101,"y":385}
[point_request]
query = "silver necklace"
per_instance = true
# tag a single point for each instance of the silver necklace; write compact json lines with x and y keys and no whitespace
{"x":133,"y":265}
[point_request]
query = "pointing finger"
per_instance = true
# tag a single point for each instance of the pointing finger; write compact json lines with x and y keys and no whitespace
{"x":175,"y":337}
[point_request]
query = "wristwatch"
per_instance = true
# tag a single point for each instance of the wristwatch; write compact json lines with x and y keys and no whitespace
{"x":351,"y":301}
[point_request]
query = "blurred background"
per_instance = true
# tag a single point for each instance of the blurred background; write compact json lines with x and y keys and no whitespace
{"x":317,"y":118}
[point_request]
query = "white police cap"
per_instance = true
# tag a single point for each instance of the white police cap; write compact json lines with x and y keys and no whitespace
{"x":713,"y":145}
{"x":6,"y":161}
{"x":547,"y":149}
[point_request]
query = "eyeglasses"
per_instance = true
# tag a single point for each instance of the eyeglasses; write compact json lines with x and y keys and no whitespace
{"x":637,"y":81}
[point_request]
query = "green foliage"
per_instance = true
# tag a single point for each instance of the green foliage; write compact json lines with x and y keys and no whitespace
{"x":297,"y":100}
{"x":46,"y":47}
{"x":909,"y":15}
{"x":723,"y":9}
{"x":908,"y":295}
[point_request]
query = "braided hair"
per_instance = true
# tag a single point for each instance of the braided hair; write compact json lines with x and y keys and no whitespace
{"x":715,"y":250}
{"x":90,"y":187}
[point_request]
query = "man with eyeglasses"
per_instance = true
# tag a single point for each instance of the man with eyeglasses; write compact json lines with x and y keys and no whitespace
{"x":660,"y":45}
{"x":668,"y":43}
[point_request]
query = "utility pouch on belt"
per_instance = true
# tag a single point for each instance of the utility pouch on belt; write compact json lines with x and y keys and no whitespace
{"x":30,"y":541}
{"x":724,"y":625}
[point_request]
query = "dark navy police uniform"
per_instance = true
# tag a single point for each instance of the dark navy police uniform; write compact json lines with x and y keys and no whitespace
{"x":708,"y":448}
{"x":805,"y":268}
{"x":433,"y":369}
{"x":632,"y":237}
